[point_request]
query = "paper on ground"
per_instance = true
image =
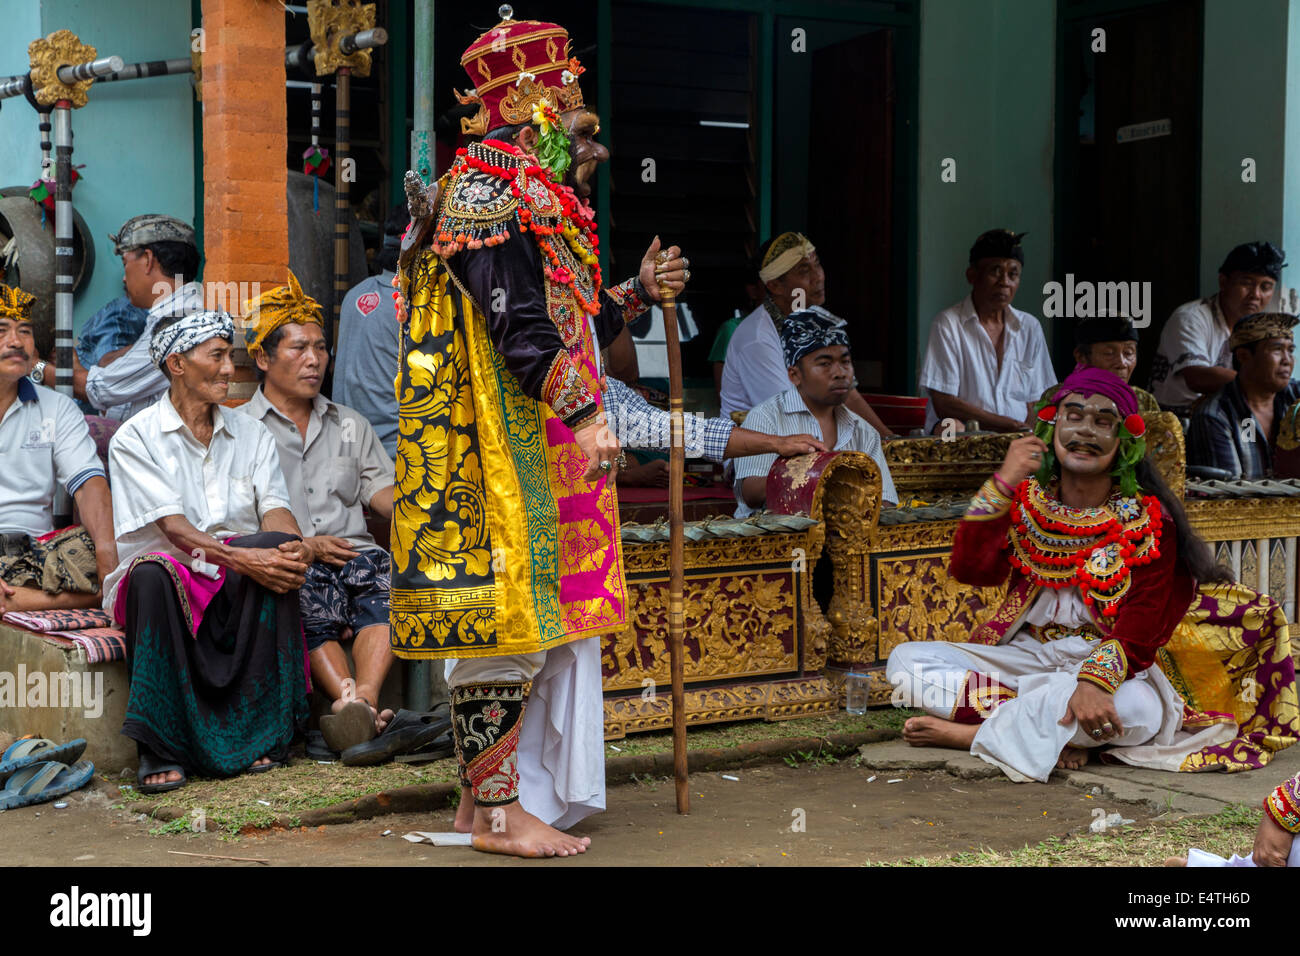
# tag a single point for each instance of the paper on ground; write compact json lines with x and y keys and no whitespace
{"x":450,"y":839}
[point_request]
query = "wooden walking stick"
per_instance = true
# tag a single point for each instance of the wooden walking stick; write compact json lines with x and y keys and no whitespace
{"x":676,"y":542}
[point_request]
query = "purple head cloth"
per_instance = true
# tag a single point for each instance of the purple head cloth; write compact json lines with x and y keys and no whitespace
{"x":1099,"y":381}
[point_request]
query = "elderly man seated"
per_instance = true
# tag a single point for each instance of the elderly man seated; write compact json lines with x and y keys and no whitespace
{"x":160,"y":262}
{"x":1112,"y":344}
{"x":333,"y":465}
{"x":1235,"y":429}
{"x":44,"y":443}
{"x":985,"y":359}
{"x":211,"y":563}
{"x":1194,"y":357}
{"x":753,"y":371}
{"x":820,"y":368}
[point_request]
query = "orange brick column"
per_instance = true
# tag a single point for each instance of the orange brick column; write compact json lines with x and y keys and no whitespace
{"x":245,"y":141}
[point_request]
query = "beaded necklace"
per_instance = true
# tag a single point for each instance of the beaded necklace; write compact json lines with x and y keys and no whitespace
{"x":1094,"y":549}
{"x":576,"y":222}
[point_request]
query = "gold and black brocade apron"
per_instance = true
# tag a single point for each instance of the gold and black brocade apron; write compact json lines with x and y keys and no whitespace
{"x":499,"y":544}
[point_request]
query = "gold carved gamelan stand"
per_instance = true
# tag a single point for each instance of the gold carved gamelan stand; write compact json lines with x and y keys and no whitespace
{"x":755,"y":641}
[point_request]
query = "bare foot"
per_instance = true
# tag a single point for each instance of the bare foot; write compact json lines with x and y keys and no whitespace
{"x":171,"y":776}
{"x":465,"y":812}
{"x":1176,"y":861}
{"x":260,"y":762}
{"x":937,"y":732}
{"x":1073,"y":758}
{"x":382,"y":717}
{"x":515,"y":832}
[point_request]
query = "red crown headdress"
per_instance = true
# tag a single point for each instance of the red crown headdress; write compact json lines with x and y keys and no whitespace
{"x":516,"y":66}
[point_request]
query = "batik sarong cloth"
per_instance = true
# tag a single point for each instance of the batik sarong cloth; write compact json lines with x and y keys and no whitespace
{"x":1231,"y":657}
{"x":61,"y":561}
{"x":233,"y":690}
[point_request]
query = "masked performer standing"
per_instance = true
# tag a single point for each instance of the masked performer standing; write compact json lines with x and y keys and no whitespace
{"x":1107,"y":579}
{"x":505,"y":525}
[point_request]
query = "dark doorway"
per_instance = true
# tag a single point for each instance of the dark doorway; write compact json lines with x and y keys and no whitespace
{"x":1129,"y":199}
{"x":835,"y":152}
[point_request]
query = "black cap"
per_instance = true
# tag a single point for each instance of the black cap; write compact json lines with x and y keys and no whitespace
{"x":1258,"y":258}
{"x":1092,"y":331}
{"x":998,"y":244}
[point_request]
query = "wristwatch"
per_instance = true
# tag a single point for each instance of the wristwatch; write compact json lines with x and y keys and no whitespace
{"x":37,"y":374}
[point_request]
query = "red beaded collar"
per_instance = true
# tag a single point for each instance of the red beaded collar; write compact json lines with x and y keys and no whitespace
{"x":1093,"y":549}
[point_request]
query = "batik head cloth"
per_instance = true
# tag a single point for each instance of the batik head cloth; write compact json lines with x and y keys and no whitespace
{"x":277,"y":307}
{"x":516,"y":67}
{"x":150,"y":228}
{"x":785,"y":252}
{"x":803,"y":333}
{"x":1256,"y":258}
{"x":15,"y":303}
{"x":1261,"y":326}
{"x":187,"y":332}
{"x":998,"y":244}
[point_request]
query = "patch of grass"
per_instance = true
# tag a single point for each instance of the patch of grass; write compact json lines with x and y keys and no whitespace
{"x":722,"y":736}
{"x":1229,"y":831}
{"x":259,"y":800}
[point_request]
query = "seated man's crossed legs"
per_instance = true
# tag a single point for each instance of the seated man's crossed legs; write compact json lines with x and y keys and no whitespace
{"x":1026,"y":685}
{"x":350,"y":599}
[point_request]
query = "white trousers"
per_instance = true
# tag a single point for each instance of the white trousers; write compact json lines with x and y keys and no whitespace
{"x":1023,"y":736}
{"x":562,"y":743}
{"x":1201,"y":858}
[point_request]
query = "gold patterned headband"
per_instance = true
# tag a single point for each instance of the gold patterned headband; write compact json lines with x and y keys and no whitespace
{"x":15,"y":303}
{"x":277,"y":307}
{"x":784,"y":254}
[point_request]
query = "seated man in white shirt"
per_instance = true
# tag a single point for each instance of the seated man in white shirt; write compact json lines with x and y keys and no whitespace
{"x":160,"y":262}
{"x":1193,"y":358}
{"x":211,"y":563}
{"x":44,"y":443}
{"x":334,"y":466}
{"x":820,"y":367}
{"x":754,"y":371}
{"x":986,"y":361}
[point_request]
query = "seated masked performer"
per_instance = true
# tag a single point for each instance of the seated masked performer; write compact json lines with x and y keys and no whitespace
{"x":1112,"y":344}
{"x":333,"y":465}
{"x":44,"y":443}
{"x":1104,"y":572}
{"x":211,"y":563}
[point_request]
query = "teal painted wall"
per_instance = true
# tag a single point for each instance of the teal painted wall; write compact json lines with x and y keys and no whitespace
{"x":1244,"y":113}
{"x":987,"y":100}
{"x":135,"y":138}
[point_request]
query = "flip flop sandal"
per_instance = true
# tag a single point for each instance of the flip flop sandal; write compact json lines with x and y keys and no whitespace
{"x":150,"y":764}
{"x":316,"y":749}
{"x":33,"y":750}
{"x":353,"y":724}
{"x":266,"y":766}
{"x":443,"y":747}
{"x":44,"y":781}
{"x":407,"y":732}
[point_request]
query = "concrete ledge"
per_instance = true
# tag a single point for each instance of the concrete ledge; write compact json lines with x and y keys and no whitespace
{"x":57,"y":694}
